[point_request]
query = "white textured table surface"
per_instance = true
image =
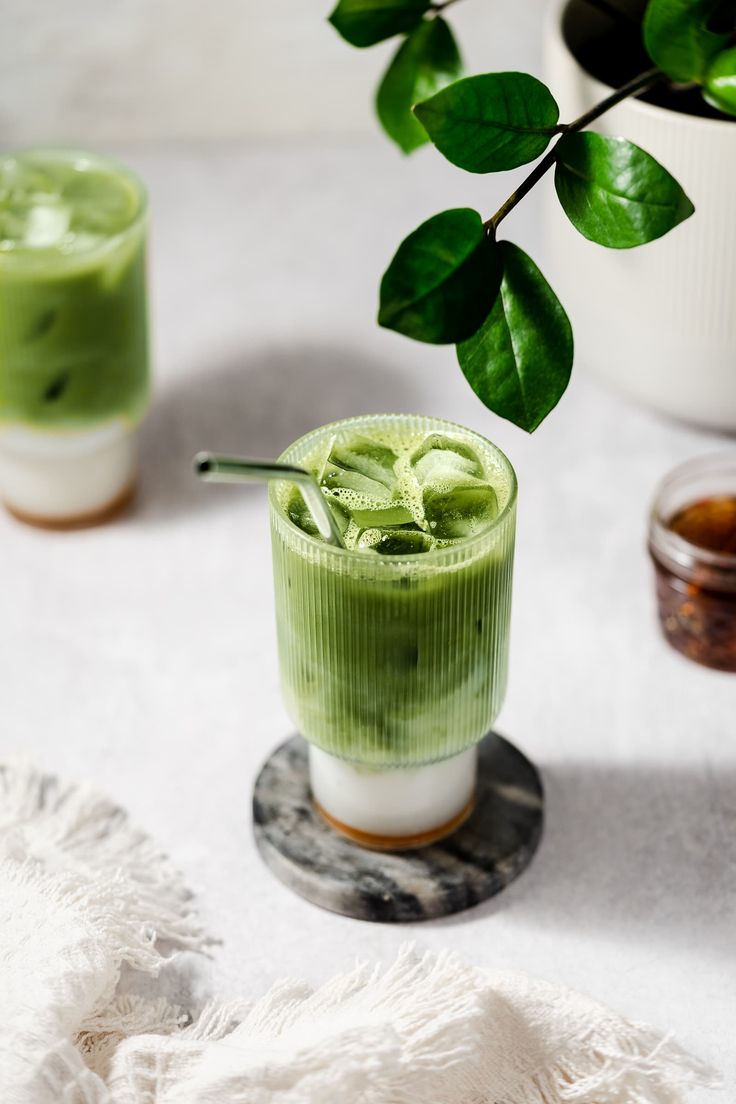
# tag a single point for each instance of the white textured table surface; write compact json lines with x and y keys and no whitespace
{"x":142,"y":655}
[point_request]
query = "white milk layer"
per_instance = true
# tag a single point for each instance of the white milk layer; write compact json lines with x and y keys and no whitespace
{"x":403,"y":801}
{"x":54,"y":475}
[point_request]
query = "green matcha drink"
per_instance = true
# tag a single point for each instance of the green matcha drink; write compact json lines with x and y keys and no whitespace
{"x":394,"y":649}
{"x":73,"y":330}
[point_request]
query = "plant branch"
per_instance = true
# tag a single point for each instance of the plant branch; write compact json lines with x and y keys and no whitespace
{"x":441,"y":5}
{"x":631,"y":88}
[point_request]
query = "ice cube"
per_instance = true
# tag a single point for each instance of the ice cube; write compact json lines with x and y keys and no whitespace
{"x":407,"y":542}
{"x":382,"y":517}
{"x":102,"y":204}
{"x":462,"y":511}
{"x":298,"y":512}
{"x":46,"y":225}
{"x":440,"y":457}
{"x":336,"y":479}
{"x":363,"y":457}
{"x":340,"y":514}
{"x":368,"y":538}
{"x":442,"y":466}
{"x":360,"y":474}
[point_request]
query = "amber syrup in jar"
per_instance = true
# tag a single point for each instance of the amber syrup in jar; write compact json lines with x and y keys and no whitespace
{"x":692,"y":541}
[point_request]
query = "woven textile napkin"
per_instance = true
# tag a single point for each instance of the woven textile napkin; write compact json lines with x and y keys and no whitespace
{"x":82,"y":893}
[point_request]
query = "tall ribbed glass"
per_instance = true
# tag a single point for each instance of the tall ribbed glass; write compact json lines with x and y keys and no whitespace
{"x":394,"y":660}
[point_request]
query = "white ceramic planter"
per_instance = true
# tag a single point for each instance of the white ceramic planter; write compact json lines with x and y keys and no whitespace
{"x":658,"y":322}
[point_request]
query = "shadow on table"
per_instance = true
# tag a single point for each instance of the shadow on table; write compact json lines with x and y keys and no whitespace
{"x":254,"y":405}
{"x":640,"y":852}
{"x":184,"y":980}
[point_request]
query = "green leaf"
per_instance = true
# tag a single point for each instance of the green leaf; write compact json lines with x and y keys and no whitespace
{"x":677,"y":37}
{"x":720,"y":82}
{"x":365,"y":22}
{"x":492,"y":122}
{"x":615,"y":193}
{"x":427,"y":61}
{"x":520,"y":360}
{"x":443,"y":279}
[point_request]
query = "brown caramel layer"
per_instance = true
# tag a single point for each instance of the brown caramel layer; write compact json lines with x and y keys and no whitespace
{"x":396,"y":843}
{"x":77,"y":521}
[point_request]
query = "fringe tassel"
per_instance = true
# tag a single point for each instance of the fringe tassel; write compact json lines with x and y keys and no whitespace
{"x":93,"y":893}
{"x":125,"y":1016}
{"x":428,"y":1028}
{"x":100,"y":862}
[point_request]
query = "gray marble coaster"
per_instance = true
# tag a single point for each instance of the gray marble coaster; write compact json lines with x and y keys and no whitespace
{"x":477,"y":861}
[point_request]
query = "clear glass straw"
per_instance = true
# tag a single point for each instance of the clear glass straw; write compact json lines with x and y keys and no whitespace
{"x":244,"y":469}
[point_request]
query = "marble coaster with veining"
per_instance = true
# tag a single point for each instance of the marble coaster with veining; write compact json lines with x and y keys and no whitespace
{"x":487,"y":852}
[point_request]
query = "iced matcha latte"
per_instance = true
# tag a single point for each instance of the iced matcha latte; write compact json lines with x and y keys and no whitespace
{"x":73,"y":336}
{"x":394,"y":649}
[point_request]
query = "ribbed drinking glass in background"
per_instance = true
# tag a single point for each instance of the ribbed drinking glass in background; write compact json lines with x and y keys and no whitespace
{"x":73,"y":333}
{"x":394,"y":665}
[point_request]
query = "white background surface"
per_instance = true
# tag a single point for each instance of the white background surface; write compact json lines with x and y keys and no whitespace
{"x":142,"y":655}
{"x":163,"y":71}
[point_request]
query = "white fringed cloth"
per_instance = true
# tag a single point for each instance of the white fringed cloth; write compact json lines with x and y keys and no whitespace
{"x":83,"y":894}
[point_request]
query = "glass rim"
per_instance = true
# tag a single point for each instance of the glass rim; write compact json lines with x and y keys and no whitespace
{"x":666,"y":541}
{"x":449,"y":552}
{"x":31,"y":258}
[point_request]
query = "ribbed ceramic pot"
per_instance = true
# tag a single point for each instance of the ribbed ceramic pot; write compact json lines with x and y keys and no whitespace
{"x":657,"y":322}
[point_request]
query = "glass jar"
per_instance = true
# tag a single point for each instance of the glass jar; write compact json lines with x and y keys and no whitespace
{"x":692,"y":542}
